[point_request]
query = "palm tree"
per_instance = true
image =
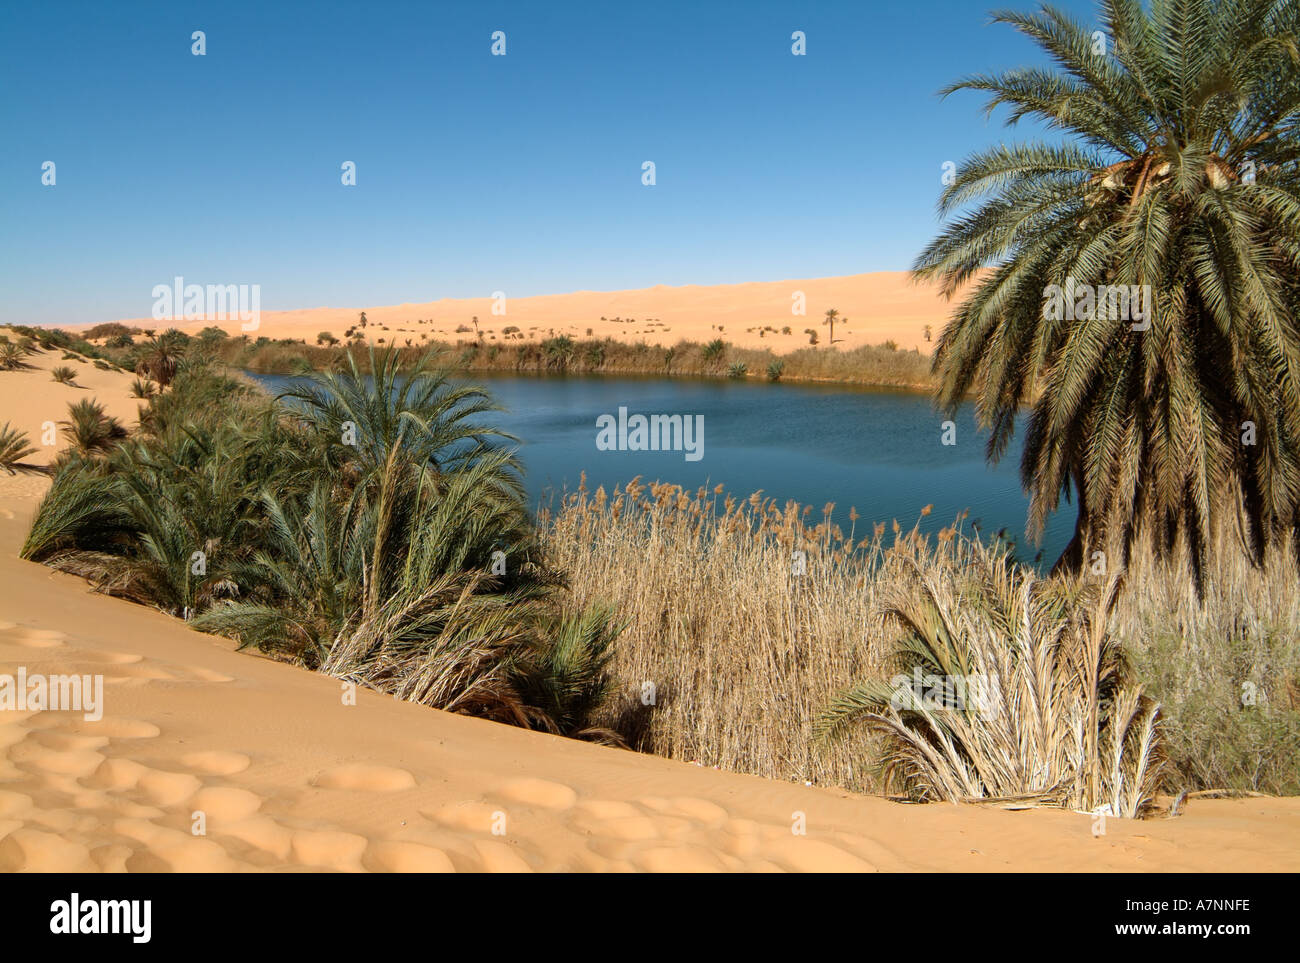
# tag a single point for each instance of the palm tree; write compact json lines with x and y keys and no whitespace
{"x":558,"y":352}
{"x":14,"y":447}
{"x":713,"y":352}
{"x":161,"y":357}
{"x":93,"y":432}
{"x":831,"y":316}
{"x":375,"y":562}
{"x":1177,"y":179}
{"x":360,"y":418}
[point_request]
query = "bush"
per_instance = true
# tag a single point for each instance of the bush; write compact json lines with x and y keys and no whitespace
{"x":64,"y":375}
{"x":14,"y":447}
{"x":988,"y":640}
{"x":337,"y":536}
{"x":774,"y":370}
{"x":108,"y":331}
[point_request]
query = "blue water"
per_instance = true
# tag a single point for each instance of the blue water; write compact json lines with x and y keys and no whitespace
{"x":877,"y":451}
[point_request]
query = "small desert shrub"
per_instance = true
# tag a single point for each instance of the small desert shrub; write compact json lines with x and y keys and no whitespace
{"x":63,"y":374}
{"x":14,"y":447}
{"x":737,"y":370}
{"x":774,"y":370}
{"x":110,"y":330}
{"x":12,"y":356}
{"x":143,"y":388}
{"x":90,"y":429}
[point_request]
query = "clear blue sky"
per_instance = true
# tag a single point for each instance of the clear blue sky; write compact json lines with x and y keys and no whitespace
{"x":475,"y":173}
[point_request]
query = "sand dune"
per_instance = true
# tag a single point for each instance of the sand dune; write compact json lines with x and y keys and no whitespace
{"x":879,"y":307}
{"x":30,"y":399}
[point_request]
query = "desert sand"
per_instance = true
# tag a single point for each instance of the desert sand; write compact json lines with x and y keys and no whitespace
{"x":287,"y":775}
{"x":30,"y":399}
{"x":879,"y":307}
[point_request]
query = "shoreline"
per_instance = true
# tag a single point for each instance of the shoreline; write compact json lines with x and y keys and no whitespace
{"x":869,"y":367}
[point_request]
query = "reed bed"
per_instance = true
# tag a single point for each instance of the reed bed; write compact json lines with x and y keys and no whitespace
{"x":742,"y":651}
{"x":744,"y":654}
{"x":873,"y":365}
{"x":1226,"y":668}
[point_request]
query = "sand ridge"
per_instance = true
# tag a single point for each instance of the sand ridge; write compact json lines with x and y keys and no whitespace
{"x":30,"y":399}
{"x":877,"y":307}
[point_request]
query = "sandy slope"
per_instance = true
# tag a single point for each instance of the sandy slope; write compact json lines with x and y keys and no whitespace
{"x":30,"y":398}
{"x":288,"y":776}
{"x":879,"y":306}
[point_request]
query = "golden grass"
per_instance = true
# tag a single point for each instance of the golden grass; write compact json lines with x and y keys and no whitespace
{"x":743,"y":654}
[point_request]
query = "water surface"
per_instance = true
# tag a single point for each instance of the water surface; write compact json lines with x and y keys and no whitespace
{"x":877,"y":451}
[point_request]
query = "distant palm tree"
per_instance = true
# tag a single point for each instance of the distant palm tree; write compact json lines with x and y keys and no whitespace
{"x":1178,"y":177}
{"x":161,"y":358}
{"x":831,"y":316}
{"x":714,"y":352}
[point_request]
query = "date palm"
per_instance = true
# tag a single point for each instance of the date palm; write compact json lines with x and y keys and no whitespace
{"x":14,"y":447}
{"x":1177,"y":172}
{"x":832,"y":316}
{"x":161,"y":357}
